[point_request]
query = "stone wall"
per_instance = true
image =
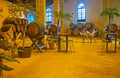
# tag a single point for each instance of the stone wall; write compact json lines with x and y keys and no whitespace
{"x":4,"y":14}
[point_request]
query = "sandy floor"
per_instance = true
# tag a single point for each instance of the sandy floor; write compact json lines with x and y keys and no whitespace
{"x":86,"y":60}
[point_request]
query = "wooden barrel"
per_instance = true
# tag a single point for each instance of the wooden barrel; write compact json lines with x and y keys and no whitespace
{"x":88,"y":26}
{"x":113,"y":27}
{"x":10,"y":21}
{"x":7,"y":27}
{"x":34,"y":29}
{"x":73,"y":25}
{"x":76,"y":32}
{"x":53,"y":28}
{"x":80,"y":26}
{"x":69,"y":31}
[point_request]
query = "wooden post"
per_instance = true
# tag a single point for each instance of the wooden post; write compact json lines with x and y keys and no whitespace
{"x":56,"y":9}
{"x":58,"y":5}
{"x":61,"y":7}
{"x":41,"y":12}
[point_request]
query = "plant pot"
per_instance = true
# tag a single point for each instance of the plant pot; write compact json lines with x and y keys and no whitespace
{"x":51,"y":45}
{"x":25,"y":52}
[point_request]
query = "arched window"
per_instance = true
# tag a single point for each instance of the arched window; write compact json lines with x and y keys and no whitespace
{"x":48,"y":15}
{"x":81,"y":13}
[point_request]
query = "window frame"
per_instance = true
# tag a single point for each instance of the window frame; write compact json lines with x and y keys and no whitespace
{"x":80,"y":15}
{"x":49,"y":17}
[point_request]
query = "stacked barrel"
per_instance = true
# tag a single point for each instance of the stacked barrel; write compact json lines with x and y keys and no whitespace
{"x":76,"y":27}
{"x":77,"y":30}
{"x":69,"y":31}
{"x":112,"y":28}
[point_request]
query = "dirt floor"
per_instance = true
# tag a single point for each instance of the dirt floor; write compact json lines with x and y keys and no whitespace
{"x":85,"y":60}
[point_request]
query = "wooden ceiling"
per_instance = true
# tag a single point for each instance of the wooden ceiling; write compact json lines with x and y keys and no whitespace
{"x":48,"y":2}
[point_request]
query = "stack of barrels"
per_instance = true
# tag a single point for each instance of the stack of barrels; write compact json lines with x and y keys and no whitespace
{"x":76,"y":27}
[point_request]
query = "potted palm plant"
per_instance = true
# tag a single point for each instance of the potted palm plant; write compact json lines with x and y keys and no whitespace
{"x":3,"y":66}
{"x":111,"y":12}
{"x":24,"y":50}
{"x":4,"y":55}
{"x":62,"y":15}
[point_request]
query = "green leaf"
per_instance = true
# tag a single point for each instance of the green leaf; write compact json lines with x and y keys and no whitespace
{"x":4,"y":42}
{"x":112,"y":11}
{"x":5,"y":67}
{"x":9,"y":58}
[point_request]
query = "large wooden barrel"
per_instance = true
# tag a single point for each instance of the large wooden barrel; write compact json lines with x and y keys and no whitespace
{"x":69,"y":31}
{"x":76,"y":32}
{"x":9,"y":29}
{"x":8,"y":22}
{"x":18,"y":23}
{"x":113,"y":27}
{"x":6,"y":27}
{"x":73,"y":25}
{"x":80,"y":26}
{"x":88,"y":25}
{"x":34,"y":29}
{"x":53,"y":28}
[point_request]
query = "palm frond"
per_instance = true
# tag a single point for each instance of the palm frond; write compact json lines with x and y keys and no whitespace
{"x":5,"y":67}
{"x":110,"y":11}
{"x":9,"y":58}
{"x":61,"y":14}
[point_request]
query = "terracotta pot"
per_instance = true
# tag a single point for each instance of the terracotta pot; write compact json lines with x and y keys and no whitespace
{"x":25,"y":52}
{"x":51,"y":45}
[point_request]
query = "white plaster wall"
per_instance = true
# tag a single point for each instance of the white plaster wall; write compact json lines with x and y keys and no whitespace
{"x":93,"y":9}
{"x":116,"y":3}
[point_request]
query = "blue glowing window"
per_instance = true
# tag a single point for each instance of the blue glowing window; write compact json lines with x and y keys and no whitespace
{"x":81,"y":13}
{"x":48,"y":15}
